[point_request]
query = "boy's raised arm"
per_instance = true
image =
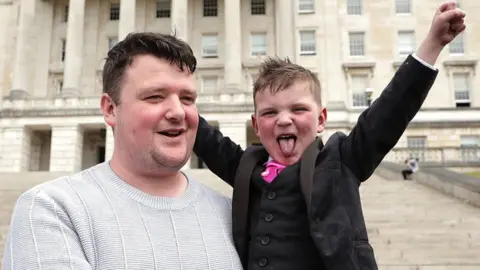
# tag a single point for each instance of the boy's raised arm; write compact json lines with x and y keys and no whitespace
{"x":220,"y":154}
{"x":381,"y":125}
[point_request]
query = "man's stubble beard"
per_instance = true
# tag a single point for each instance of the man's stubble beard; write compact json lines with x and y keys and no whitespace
{"x":161,"y":159}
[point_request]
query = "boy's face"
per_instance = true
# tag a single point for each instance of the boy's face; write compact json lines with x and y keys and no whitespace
{"x":288,"y":121}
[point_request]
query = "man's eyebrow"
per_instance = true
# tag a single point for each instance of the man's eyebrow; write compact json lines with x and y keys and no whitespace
{"x":188,"y":92}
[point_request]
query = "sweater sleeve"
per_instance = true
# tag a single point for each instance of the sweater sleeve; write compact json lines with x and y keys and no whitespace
{"x":41,"y":236}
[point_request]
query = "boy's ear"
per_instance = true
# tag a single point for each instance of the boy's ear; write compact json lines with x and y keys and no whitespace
{"x":254,"y":124}
{"x":322,"y":120}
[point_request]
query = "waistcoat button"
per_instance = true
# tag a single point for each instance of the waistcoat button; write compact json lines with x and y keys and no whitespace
{"x":265,"y":240}
{"x":271,"y":195}
{"x":268,"y":217}
{"x":263,"y":262}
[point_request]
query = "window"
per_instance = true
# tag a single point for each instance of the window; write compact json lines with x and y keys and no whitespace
{"x":111,"y":42}
{"x":209,"y":45}
{"x":65,"y":13}
{"x":402,"y":6}
{"x":457,"y":45}
{"x":163,"y":8}
{"x":406,"y":42}
{"x":306,"y":6}
{"x":257,"y":7}
{"x":114,"y":11}
{"x":60,"y":86}
{"x":469,"y":148}
{"x":461,"y":87}
{"x":357,"y":43}
{"x":209,"y":84}
{"x":417,"y":147}
{"x":354,"y":7}
{"x":359,"y":83}
{"x":63,"y":49}
{"x":308,"y":42}
{"x":210,"y":8}
{"x":253,"y":78}
{"x":258,"y":44}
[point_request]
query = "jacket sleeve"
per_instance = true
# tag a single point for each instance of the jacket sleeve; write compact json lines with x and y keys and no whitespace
{"x":379,"y":127}
{"x":220,"y":154}
{"x":41,"y":236}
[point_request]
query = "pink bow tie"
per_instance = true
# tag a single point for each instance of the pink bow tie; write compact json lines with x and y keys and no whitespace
{"x":272,"y":169}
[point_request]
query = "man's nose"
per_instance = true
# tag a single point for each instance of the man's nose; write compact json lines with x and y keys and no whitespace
{"x":175,"y":110}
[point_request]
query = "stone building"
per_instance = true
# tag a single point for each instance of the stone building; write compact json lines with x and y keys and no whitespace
{"x":51,"y":59}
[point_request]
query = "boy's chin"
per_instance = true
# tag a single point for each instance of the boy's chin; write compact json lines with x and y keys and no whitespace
{"x":287,"y":160}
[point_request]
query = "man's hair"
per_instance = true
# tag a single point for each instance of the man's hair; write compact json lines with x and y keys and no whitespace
{"x":276,"y":74}
{"x":167,"y":47}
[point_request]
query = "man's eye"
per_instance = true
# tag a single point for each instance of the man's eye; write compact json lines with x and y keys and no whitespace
{"x":299,"y":109}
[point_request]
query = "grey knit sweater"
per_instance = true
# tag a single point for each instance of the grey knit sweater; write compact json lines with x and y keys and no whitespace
{"x":94,"y":220}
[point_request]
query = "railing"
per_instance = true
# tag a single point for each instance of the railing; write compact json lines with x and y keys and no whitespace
{"x":94,"y":101}
{"x":438,"y":157}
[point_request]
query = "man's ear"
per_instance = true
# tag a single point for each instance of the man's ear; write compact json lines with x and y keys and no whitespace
{"x":322,"y":120}
{"x":255,"y":125}
{"x":108,"y":108}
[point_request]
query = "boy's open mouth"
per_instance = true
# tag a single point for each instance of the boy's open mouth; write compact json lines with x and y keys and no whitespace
{"x":287,"y":143}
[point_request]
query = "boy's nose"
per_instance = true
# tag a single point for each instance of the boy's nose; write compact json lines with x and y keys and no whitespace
{"x":284,"y":120}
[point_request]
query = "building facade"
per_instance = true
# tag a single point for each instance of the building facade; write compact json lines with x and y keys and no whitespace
{"x":51,"y":54}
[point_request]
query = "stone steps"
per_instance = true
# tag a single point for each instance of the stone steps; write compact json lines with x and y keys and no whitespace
{"x":414,"y":227}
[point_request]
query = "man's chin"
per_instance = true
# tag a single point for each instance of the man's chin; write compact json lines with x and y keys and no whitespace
{"x":172,"y":160}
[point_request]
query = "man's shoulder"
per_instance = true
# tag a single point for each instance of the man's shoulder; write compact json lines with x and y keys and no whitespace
{"x":212,"y":188}
{"x":61,"y":188}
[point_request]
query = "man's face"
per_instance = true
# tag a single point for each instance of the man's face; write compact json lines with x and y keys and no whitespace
{"x":156,"y":121}
{"x":288,"y":121}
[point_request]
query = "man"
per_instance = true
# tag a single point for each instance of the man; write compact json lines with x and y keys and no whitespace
{"x":412,"y":167}
{"x":137,"y":211}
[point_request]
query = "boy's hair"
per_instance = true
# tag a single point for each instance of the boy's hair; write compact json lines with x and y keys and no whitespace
{"x":166,"y":47}
{"x":277,"y":74}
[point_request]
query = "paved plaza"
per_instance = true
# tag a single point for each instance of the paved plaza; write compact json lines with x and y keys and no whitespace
{"x":410,"y":225}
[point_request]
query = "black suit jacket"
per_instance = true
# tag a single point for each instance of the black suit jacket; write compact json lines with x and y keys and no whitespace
{"x":337,"y":224}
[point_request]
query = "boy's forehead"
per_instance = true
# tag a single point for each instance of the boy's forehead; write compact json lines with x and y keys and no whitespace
{"x":294,"y":91}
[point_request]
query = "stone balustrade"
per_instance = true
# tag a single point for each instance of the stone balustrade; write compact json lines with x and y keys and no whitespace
{"x":93,"y":102}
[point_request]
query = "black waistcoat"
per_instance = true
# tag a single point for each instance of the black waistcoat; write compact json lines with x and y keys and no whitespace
{"x":278,"y":226}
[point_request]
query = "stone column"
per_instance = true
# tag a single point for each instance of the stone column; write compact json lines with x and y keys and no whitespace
{"x":109,"y":143}
{"x":285,"y":29}
{"x":127,"y":18}
{"x":22,"y":66}
{"x":333,"y":78}
{"x":179,"y":19}
{"x":67,"y":148}
{"x":15,"y":149}
{"x":233,"y":46}
{"x":236,"y":130}
{"x":74,"y":49}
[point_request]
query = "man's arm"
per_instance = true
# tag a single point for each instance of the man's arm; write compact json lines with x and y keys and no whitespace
{"x":41,"y":236}
{"x":381,"y":125}
{"x":220,"y":154}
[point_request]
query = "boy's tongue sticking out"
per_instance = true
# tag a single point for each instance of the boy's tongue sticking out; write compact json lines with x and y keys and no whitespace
{"x":287,"y":144}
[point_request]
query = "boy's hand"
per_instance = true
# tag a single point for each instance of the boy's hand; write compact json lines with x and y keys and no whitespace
{"x":448,"y":23}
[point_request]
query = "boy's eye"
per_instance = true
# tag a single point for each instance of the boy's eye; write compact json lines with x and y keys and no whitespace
{"x":155,"y":97}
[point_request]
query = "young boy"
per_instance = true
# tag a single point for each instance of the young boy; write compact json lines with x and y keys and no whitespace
{"x":279,"y":233}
